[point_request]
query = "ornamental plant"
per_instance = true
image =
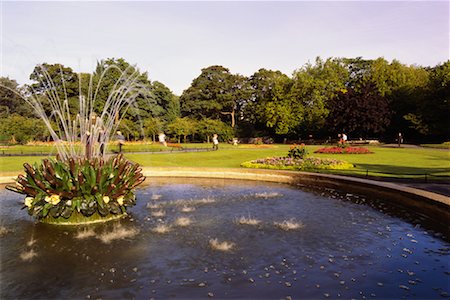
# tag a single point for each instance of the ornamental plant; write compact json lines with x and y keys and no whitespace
{"x":78,"y":190}
{"x":288,"y":163}
{"x":297,"y":151}
{"x":343,"y":150}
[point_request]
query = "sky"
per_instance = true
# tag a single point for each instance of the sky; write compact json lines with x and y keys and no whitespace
{"x":173,"y":41}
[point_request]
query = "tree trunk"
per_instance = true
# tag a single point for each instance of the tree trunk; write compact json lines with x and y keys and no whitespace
{"x":232,"y":114}
{"x":233,"y":122}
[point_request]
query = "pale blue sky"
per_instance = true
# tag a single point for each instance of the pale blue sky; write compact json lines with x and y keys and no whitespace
{"x":173,"y":41}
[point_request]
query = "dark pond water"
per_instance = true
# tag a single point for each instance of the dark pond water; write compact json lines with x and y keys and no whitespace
{"x":345,"y":246}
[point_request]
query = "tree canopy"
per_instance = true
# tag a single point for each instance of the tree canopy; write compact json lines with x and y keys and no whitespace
{"x":365,"y":97}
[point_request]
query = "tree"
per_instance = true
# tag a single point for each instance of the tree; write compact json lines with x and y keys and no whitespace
{"x":131,"y":130}
{"x":182,"y":127}
{"x":152,"y":126}
{"x":167,"y":101}
{"x":432,"y":114}
{"x":106,"y":78}
{"x":11,"y":101}
{"x":271,"y":106}
{"x":57,"y":83}
{"x":214,"y":94}
{"x":207,"y":127}
{"x":19,"y":129}
{"x":314,"y":86}
{"x":361,"y":113}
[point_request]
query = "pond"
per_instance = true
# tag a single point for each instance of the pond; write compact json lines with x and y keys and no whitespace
{"x":213,"y":238}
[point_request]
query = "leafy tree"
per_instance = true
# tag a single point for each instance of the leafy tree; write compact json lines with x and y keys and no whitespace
{"x":358,"y":72}
{"x":313,"y":88}
{"x":19,"y":129}
{"x":152,"y":126}
{"x":11,"y":101}
{"x":130,"y":129}
{"x":271,"y":106}
{"x":361,"y":113}
{"x":182,"y":127}
{"x":169,"y":103}
{"x":434,"y":111}
{"x":56,"y":82}
{"x":107,"y":76}
{"x":214,"y":94}
{"x":207,"y":128}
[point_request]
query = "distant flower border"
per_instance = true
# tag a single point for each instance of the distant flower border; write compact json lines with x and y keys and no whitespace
{"x":344,"y":150}
{"x":288,"y":163}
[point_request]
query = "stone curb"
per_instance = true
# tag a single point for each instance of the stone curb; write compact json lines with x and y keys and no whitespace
{"x":286,"y":177}
{"x":272,"y":176}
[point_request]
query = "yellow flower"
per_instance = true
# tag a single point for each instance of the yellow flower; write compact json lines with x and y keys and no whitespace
{"x":28,"y":201}
{"x":120,"y":200}
{"x":106,"y":199}
{"x":53,"y":199}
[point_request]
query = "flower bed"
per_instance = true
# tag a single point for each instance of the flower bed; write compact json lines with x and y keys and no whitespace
{"x":343,"y":150}
{"x":288,"y":163}
{"x":79,"y":190}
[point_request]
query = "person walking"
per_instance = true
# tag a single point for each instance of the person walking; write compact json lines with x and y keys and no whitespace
{"x":215,"y":140}
{"x":162,"y":139}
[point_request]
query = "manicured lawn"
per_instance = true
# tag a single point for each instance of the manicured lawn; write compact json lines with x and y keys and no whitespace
{"x":49,"y":149}
{"x":396,"y":162}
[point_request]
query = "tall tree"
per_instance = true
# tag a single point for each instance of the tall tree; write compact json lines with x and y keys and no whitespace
{"x":215,"y":94}
{"x":434,"y":111}
{"x":182,"y":127}
{"x":167,"y":101}
{"x":56,"y":82}
{"x":362,"y":112}
{"x":314,"y":86}
{"x":11,"y":101}
{"x":110,"y":73}
{"x":269,"y":107}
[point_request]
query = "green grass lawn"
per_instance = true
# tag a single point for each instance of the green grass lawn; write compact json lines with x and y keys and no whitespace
{"x":391,"y":162}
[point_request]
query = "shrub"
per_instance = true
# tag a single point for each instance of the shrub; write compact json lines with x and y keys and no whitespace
{"x":297,"y":152}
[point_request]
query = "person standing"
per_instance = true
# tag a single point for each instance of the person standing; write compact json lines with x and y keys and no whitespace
{"x":344,"y":138}
{"x":399,"y":139}
{"x":121,"y":140}
{"x":215,"y":140}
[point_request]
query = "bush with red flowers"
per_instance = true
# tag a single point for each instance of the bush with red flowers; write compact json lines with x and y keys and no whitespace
{"x":343,"y":150}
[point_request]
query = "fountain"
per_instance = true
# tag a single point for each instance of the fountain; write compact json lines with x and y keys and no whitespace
{"x":81,"y":185}
{"x":233,"y":242}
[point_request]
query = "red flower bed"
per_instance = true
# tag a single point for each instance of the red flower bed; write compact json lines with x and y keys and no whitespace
{"x":343,"y":150}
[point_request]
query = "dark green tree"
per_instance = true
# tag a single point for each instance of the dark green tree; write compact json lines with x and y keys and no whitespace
{"x":359,"y":113}
{"x":168,"y":102}
{"x":112,"y":72}
{"x":11,"y":101}
{"x":215,"y":94}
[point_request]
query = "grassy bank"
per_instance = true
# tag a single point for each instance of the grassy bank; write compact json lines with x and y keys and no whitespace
{"x":390,"y":162}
